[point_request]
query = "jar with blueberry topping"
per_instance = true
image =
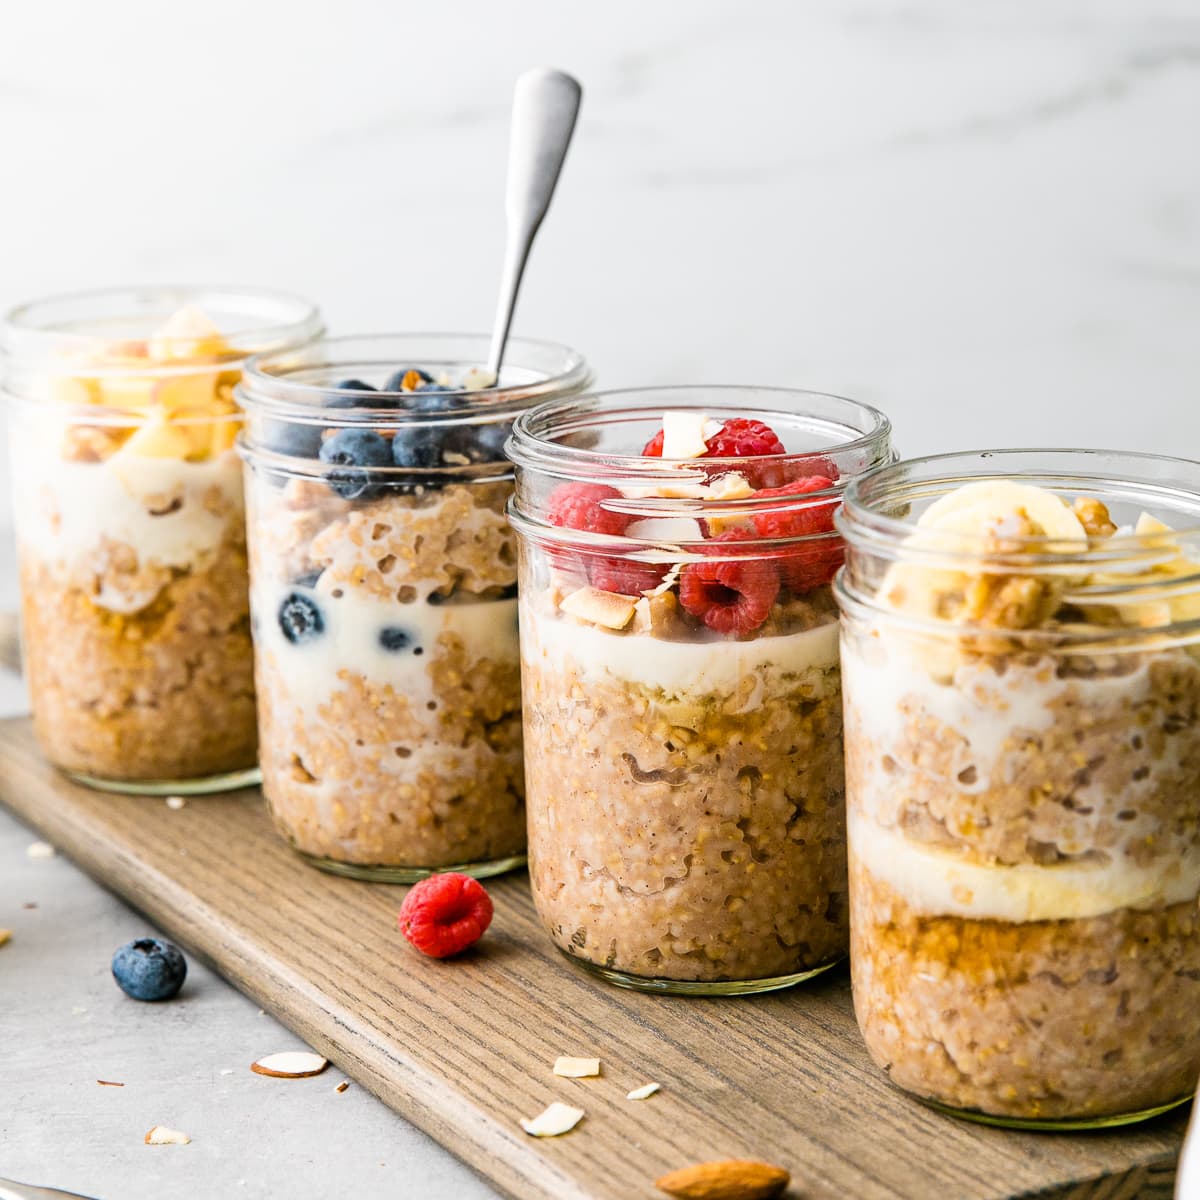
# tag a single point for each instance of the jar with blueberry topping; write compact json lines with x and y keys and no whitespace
{"x":130,"y":527}
{"x":383,"y":592}
{"x":683,"y":711}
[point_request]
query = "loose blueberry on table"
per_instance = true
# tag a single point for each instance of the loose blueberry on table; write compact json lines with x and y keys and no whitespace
{"x":149,"y":969}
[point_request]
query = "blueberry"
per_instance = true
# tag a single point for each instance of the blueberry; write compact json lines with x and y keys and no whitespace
{"x":353,"y":385}
{"x":149,"y":969}
{"x":417,"y":446}
{"x":485,"y":443}
{"x":393,"y":639}
{"x":355,"y":448}
{"x":300,"y":618}
{"x":287,"y":437}
{"x":395,"y":381}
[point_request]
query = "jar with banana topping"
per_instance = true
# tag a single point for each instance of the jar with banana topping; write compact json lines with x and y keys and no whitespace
{"x":1022,"y":722}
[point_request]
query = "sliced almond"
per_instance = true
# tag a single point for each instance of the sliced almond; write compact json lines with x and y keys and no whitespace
{"x":40,"y":850}
{"x":728,"y":1179}
{"x":290,"y":1064}
{"x":109,"y":1083}
{"x":609,"y":609}
{"x":643,"y":1092}
{"x":341,"y":1087}
{"x":5,"y":936}
{"x":576,"y":1068}
{"x":160,"y":1135}
{"x":557,"y":1119}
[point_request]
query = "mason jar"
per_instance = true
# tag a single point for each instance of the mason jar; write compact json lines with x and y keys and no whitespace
{"x":683,"y":724}
{"x":383,"y":588}
{"x":130,"y":528}
{"x":1020,"y":638}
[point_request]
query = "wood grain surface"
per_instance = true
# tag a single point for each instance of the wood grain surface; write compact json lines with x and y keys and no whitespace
{"x":464,"y":1048}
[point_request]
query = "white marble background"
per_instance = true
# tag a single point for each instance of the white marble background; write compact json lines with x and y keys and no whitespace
{"x":981,"y":215}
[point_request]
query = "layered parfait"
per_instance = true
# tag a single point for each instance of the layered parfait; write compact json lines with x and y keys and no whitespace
{"x":1023,"y":783}
{"x":682,"y":699}
{"x":385,"y":614}
{"x":131,"y":536}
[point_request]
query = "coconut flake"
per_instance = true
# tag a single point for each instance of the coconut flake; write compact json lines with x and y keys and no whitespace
{"x":160,"y":1135}
{"x":557,"y":1119}
{"x":641,"y":1093}
{"x":609,"y":609}
{"x":576,"y":1068}
{"x":290,"y":1064}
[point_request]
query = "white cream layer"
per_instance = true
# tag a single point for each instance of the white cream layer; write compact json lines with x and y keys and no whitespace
{"x":939,"y":882}
{"x":349,"y":643}
{"x":717,"y":665}
{"x":67,"y":510}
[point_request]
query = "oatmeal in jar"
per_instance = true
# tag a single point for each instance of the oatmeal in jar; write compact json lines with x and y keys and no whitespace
{"x":130,"y":529}
{"x":1023,"y":783}
{"x":682,"y":695}
{"x":384,"y":599}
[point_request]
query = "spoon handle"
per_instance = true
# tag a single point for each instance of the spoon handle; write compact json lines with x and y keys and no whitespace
{"x":545,"y":105}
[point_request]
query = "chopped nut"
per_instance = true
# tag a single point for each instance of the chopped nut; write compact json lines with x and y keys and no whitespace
{"x":341,"y":1087}
{"x":576,"y":1068}
{"x":290,"y":1064}
{"x":729,"y":1179}
{"x":1094,"y":517}
{"x":160,"y":1135}
{"x":40,"y":850}
{"x":643,"y":1092}
{"x":557,"y":1119}
{"x":610,"y":609}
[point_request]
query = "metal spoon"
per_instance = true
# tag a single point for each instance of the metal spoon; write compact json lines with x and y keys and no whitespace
{"x":545,"y":105}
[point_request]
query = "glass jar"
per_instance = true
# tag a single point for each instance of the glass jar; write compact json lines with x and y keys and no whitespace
{"x":130,"y":528}
{"x":683,"y":747}
{"x":1021,"y":652}
{"x":383,"y":588}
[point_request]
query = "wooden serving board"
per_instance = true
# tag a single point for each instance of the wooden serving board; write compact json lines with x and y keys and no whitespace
{"x":464,"y":1048}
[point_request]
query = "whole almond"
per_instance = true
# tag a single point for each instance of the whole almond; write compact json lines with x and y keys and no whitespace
{"x":728,"y":1179}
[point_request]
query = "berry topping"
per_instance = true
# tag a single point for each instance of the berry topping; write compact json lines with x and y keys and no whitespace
{"x":407,"y":379}
{"x":353,"y":385}
{"x":355,"y":448}
{"x":300,"y":618}
{"x":417,"y":446}
{"x":292,"y":438}
{"x":737,"y":438}
{"x":732,"y":595}
{"x":394,"y":639}
{"x":578,"y":506}
{"x":445,"y":914}
{"x":624,"y":575}
{"x":809,"y":566}
{"x":149,"y":969}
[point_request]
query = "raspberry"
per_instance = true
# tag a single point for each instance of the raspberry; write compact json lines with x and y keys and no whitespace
{"x":804,"y":567}
{"x":445,"y":914}
{"x":624,"y":575}
{"x":577,"y":506}
{"x":730,"y":596}
{"x":737,"y":438}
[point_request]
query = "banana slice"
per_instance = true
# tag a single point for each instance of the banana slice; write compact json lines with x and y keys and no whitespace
{"x":188,"y":333}
{"x":158,"y":438}
{"x":988,"y":505}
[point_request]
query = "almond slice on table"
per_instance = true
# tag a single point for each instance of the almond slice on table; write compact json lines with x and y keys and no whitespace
{"x":5,"y":936}
{"x":160,"y":1135}
{"x":643,"y":1092}
{"x":576,"y":1068}
{"x":290,"y":1064}
{"x":557,"y":1119}
{"x":727,"y":1179}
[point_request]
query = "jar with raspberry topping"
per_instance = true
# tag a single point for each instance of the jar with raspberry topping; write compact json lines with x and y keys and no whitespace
{"x":682,"y":695}
{"x":384,"y":598}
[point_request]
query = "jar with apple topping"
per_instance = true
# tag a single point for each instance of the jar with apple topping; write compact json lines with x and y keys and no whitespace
{"x":1022,"y":677}
{"x":130,"y":528}
{"x":383,"y":588}
{"x":682,"y":695}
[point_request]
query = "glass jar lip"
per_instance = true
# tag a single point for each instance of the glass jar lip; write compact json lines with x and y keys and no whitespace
{"x":38,"y":331}
{"x":863,"y":525}
{"x":529,"y":448}
{"x":266,"y":388}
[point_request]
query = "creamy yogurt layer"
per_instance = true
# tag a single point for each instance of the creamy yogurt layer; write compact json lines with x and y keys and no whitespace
{"x":714,"y":665}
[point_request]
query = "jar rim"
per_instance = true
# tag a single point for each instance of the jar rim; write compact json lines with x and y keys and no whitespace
{"x":269,"y":387}
{"x":531,"y":449}
{"x":39,"y":331}
{"x":900,"y":483}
